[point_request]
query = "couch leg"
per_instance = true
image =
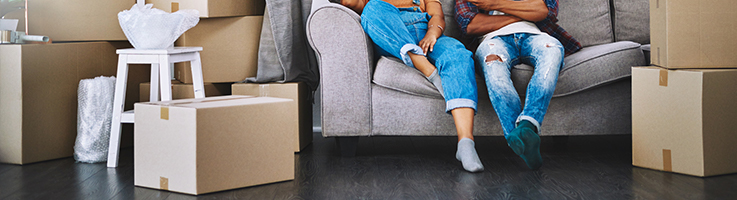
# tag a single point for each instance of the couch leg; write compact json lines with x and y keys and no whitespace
{"x":347,"y":145}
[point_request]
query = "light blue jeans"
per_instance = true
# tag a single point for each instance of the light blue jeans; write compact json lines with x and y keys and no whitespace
{"x":497,"y":55}
{"x":397,"y":31}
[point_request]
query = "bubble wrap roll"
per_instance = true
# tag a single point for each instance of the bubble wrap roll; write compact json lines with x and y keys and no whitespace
{"x":94,"y":115}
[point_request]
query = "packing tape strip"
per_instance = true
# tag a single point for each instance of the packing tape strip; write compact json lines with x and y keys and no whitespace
{"x":663,"y":80}
{"x":163,"y":183}
{"x":667,"y":161}
{"x":174,"y":6}
{"x":263,"y":90}
{"x":165,"y":113}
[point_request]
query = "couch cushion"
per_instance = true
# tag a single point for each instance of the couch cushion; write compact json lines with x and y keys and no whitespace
{"x":592,"y":66}
{"x":632,"y":20}
{"x":393,"y":74}
{"x":588,"y":21}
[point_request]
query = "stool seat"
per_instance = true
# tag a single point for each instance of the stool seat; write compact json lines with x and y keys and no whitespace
{"x":159,"y":59}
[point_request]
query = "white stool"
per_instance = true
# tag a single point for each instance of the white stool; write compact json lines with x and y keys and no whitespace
{"x":160,"y":75}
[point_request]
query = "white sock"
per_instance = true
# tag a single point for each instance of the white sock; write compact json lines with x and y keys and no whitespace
{"x":466,"y":153}
{"x":434,"y":78}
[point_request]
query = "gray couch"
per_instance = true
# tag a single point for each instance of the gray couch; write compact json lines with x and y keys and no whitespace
{"x":363,"y":95}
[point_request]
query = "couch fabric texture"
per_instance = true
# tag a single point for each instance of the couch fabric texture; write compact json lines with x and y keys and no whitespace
{"x":364,"y":95}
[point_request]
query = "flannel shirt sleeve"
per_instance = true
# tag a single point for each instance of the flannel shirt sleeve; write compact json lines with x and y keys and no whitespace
{"x":465,"y":12}
{"x":548,"y":25}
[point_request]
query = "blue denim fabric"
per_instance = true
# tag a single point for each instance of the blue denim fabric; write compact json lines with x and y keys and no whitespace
{"x":543,"y":52}
{"x":396,"y":31}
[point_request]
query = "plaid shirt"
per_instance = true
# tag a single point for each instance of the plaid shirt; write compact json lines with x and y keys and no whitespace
{"x":466,"y":11}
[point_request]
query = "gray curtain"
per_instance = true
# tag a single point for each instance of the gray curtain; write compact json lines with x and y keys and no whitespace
{"x":284,"y":53}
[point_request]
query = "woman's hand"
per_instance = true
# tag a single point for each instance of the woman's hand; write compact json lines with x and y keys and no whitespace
{"x":428,"y":43}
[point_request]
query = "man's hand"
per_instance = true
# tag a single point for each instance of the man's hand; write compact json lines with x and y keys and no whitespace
{"x":487,"y":5}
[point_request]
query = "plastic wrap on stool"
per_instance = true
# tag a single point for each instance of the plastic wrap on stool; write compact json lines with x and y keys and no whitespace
{"x":94,"y":115}
{"x":151,"y":28}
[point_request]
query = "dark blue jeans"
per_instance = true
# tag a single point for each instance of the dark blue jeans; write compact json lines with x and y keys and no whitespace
{"x":397,"y":31}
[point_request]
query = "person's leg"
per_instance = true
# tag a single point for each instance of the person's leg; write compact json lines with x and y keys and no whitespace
{"x":385,"y":25}
{"x":456,"y":68}
{"x":545,"y":53}
{"x":495,"y":57}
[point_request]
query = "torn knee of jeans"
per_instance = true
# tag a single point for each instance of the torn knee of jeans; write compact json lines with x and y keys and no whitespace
{"x":550,"y":45}
{"x":493,"y":57}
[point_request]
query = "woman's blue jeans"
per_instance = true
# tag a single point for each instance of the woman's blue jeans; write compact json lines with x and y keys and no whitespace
{"x":497,"y":55}
{"x":397,"y":31}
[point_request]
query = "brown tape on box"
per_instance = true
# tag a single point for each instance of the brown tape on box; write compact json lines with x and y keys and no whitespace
{"x":667,"y":162}
{"x":165,"y":113}
{"x":174,"y":6}
{"x":663,"y":78}
{"x":163,"y":183}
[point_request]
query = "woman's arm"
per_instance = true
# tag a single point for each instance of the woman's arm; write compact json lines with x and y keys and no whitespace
{"x":355,"y":5}
{"x":435,"y":26}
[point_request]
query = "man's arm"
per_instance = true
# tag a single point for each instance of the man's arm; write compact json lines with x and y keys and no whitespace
{"x":529,"y":10}
{"x":473,"y":22}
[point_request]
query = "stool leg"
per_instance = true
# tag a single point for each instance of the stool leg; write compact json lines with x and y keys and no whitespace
{"x":199,"y":86}
{"x":154,"y":91}
{"x":165,"y":77}
{"x":118,"y":103}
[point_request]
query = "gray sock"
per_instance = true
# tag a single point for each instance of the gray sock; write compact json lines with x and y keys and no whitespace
{"x":466,"y":153}
{"x":434,"y":78}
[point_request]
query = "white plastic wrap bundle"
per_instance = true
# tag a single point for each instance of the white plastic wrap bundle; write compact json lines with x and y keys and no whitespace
{"x":94,"y":115}
{"x":151,"y":28}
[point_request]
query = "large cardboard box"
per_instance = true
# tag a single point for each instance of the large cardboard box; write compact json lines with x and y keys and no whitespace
{"x":230,"y":49}
{"x":74,"y":20}
{"x":683,"y":120}
{"x":213,"y":8}
{"x":693,"y":33}
{"x":38,"y":96}
{"x":295,"y":91}
{"x":181,"y":90}
{"x":197,"y":146}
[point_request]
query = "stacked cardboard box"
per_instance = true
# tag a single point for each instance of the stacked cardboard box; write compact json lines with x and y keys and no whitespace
{"x":73,"y":20}
{"x":295,"y":91}
{"x":181,"y":90}
{"x":38,"y":95}
{"x":682,"y":110}
{"x":229,"y":33}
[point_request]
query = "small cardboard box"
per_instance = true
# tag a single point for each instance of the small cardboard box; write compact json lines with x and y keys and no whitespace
{"x":181,"y":90}
{"x":295,"y":91}
{"x":213,"y":8}
{"x":693,"y":33}
{"x":197,"y":146}
{"x":683,"y":120}
{"x":73,"y":20}
{"x":38,"y":96}
{"x":229,"y":49}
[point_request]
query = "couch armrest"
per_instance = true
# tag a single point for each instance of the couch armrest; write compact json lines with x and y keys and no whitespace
{"x":345,"y":58}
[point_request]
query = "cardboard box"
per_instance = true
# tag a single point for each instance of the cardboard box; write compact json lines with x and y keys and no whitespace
{"x":295,"y":91}
{"x":197,"y":146}
{"x":74,"y":20}
{"x":181,"y":90}
{"x":213,"y":8}
{"x":683,"y":120}
{"x":693,"y":33}
{"x":230,"y":49}
{"x":38,"y":96}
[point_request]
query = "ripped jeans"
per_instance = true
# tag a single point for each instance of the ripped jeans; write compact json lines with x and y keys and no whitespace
{"x":497,"y":55}
{"x":397,"y":31}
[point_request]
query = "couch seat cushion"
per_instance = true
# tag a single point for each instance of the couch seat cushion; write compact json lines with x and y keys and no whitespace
{"x":393,"y":74}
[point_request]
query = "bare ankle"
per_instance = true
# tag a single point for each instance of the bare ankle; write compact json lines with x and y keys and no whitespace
{"x":422,"y":64}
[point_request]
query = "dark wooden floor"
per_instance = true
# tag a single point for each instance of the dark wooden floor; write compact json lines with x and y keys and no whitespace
{"x":587,"y":167}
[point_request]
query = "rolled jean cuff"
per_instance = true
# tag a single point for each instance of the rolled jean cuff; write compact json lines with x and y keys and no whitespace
{"x":529,"y":119}
{"x":460,"y":103}
{"x":410,"y":48}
